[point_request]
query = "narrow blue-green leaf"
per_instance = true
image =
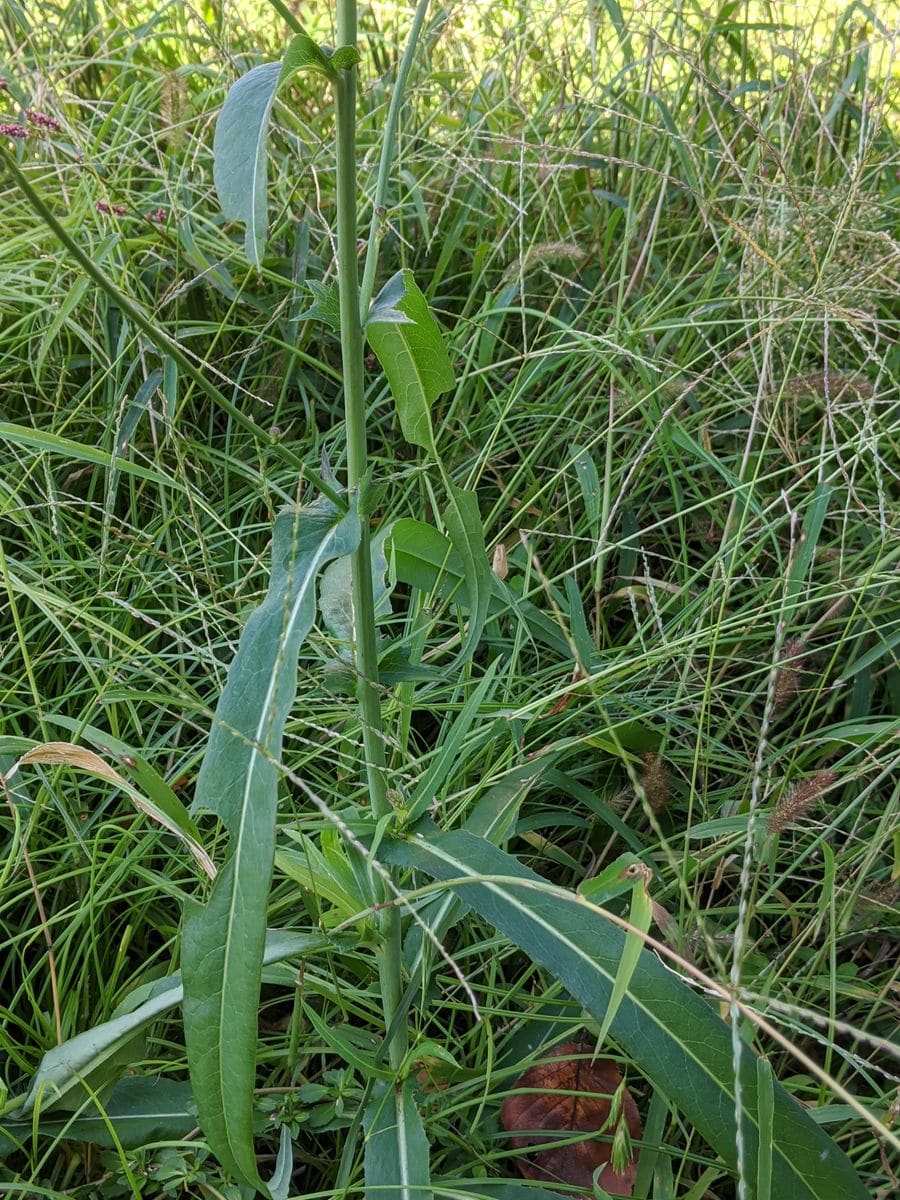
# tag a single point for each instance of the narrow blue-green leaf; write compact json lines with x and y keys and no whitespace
{"x":397,"y":1151}
{"x":337,"y":1042}
{"x":240,"y":144}
{"x":140,"y":1109}
{"x":809,"y":538}
{"x":223,"y":940}
{"x":765,"y":1081}
{"x":412,"y":355}
{"x":670,"y":1032}
{"x":639,"y":916}
{"x":589,"y":482}
{"x":463,"y":521}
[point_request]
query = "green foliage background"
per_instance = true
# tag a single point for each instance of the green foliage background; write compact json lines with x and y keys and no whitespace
{"x":663,"y":244}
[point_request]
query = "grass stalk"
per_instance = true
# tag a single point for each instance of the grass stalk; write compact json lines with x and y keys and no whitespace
{"x":366,"y":654}
{"x":386,"y":159}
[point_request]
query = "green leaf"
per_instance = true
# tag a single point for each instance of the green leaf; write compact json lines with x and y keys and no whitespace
{"x":423,"y":557}
{"x":62,"y":1069}
{"x":408,"y":343}
{"x":669,"y":1031}
{"x":335,"y":595}
{"x":344,"y":57}
{"x":457,"y":567}
{"x":340,"y":1041}
{"x":140,"y":1109}
{"x":240,"y":144}
{"x":385,"y":308}
{"x":223,"y":940}
{"x":446,"y":756}
{"x":589,"y":482}
{"x":463,"y":521}
{"x":640,"y":916}
{"x":397,"y":1151}
{"x":147,"y":778}
{"x":325,"y":306}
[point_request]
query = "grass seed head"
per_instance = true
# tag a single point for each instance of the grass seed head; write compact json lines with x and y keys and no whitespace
{"x":799,"y":800}
{"x":655,"y":781}
{"x":787,"y":677}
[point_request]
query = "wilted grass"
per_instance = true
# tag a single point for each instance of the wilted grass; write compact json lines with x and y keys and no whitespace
{"x":667,"y":264}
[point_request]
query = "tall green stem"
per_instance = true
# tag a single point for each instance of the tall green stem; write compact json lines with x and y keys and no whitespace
{"x":366,"y":654}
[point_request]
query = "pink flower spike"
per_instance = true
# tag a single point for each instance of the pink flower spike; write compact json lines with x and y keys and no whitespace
{"x":13,"y":131}
{"x":43,"y":119}
{"x":120,"y":210}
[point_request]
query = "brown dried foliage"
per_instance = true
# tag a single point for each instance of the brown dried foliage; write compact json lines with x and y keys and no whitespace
{"x":572,"y":1095}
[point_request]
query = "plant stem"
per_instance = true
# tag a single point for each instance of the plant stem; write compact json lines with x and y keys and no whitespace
{"x":366,"y":653}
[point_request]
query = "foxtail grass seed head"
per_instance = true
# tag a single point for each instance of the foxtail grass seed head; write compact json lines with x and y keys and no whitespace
{"x":799,"y":800}
{"x":787,"y":677}
{"x":13,"y":131}
{"x":655,"y":781}
{"x":43,"y":120}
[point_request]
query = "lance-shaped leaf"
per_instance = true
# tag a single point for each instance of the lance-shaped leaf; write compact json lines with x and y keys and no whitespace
{"x":408,"y":344}
{"x":670,"y":1032}
{"x":223,"y":940}
{"x":139,"y":1110}
{"x":463,"y":522}
{"x":397,"y":1152}
{"x":240,"y":144}
{"x":86,"y":1057}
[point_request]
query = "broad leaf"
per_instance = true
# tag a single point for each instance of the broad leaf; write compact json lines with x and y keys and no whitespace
{"x":223,"y":940}
{"x":423,"y":557}
{"x":408,"y":343}
{"x":335,"y":590}
{"x":397,"y":1152}
{"x":240,"y":144}
{"x":673,"y":1034}
{"x":325,"y":305}
{"x":140,"y":1109}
